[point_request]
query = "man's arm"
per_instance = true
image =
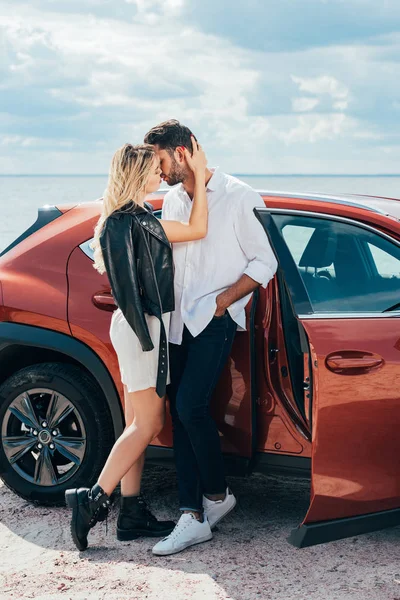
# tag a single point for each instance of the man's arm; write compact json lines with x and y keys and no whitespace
{"x":255,"y":244}
{"x":245,"y":285}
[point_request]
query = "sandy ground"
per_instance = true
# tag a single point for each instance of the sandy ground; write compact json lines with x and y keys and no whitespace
{"x":248,"y":558}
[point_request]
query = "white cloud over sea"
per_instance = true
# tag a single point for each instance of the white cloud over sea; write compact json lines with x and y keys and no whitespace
{"x":295,"y":86}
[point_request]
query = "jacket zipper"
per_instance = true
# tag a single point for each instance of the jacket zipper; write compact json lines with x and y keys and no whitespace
{"x":139,"y":278}
{"x":152,"y":264}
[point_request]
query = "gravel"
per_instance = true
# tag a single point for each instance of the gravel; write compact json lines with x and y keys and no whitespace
{"x":248,"y":558}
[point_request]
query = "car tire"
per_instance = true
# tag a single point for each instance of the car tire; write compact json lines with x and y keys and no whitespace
{"x":77,"y":449}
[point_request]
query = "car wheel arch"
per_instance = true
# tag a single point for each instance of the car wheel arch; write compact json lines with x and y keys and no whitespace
{"x":37,"y":345}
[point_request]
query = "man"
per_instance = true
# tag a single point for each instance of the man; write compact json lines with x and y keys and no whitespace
{"x":214,"y":279}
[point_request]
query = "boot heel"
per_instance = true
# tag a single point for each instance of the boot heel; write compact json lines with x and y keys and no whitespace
{"x":124,"y":535}
{"x":71,"y":498}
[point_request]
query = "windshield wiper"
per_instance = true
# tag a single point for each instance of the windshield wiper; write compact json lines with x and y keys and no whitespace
{"x":394,"y":307}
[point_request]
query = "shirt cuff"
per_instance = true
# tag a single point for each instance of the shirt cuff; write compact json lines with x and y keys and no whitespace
{"x":260,"y":272}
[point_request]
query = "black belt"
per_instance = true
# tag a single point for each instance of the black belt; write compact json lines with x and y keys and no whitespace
{"x":162,"y":370}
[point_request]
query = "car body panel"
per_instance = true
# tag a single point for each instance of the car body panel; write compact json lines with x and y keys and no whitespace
{"x":356,"y":417}
{"x":34,"y":290}
{"x":33,"y":273}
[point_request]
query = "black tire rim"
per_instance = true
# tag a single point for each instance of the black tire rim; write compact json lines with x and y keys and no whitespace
{"x":43,"y":436}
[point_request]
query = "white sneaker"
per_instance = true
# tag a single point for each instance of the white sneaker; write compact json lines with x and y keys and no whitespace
{"x":215,"y":510}
{"x":188,"y":531}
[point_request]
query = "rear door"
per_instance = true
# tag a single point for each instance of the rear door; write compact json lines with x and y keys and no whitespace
{"x":343,"y":279}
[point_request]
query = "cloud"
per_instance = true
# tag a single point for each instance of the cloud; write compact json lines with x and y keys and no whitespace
{"x":314,"y":128}
{"x":304,"y":104}
{"x":326,"y":84}
{"x":265,"y":85}
{"x":151,"y":11}
{"x":28,"y":142}
{"x":341,"y":104}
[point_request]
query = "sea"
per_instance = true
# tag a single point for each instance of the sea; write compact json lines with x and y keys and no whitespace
{"x":22,"y":195}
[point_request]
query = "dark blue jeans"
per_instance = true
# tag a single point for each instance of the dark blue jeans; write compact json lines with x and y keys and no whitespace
{"x":195,"y":368}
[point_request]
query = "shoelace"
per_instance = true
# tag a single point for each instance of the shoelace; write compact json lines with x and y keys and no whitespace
{"x":95,"y":519}
{"x":181,"y":526}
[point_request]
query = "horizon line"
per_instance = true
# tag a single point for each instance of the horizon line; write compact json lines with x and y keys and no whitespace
{"x":233,"y":174}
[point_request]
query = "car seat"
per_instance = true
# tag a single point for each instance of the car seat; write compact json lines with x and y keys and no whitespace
{"x":321,"y":286}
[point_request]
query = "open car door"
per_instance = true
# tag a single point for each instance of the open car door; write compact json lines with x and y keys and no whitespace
{"x":343,"y":279}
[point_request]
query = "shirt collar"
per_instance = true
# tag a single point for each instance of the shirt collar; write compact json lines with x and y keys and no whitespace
{"x":215,"y":180}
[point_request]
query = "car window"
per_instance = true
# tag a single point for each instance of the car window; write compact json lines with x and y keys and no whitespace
{"x":297,"y":238}
{"x":344,"y":267}
{"x":86,"y":248}
{"x":386,"y":264}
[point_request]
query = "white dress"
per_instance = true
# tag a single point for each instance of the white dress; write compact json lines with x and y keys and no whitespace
{"x":138,"y":369}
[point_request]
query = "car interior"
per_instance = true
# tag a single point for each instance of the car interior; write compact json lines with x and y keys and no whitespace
{"x":344,"y":267}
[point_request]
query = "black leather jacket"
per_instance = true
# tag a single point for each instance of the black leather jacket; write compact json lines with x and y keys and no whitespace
{"x":138,"y":260}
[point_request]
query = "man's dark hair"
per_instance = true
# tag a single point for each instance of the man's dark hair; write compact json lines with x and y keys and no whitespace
{"x":169,"y":135}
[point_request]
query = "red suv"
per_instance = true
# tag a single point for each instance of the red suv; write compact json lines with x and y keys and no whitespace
{"x":311,"y":388}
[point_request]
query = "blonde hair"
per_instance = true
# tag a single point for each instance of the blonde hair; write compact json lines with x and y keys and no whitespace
{"x":129,"y":173}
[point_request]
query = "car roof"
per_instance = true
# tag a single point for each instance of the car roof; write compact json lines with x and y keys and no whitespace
{"x":377,"y":204}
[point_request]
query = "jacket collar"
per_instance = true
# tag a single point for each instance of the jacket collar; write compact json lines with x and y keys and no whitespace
{"x":151,"y":224}
{"x":146,"y":219}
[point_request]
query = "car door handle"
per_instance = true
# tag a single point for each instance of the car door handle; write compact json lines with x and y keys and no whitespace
{"x":351,"y":361}
{"x":104,"y":301}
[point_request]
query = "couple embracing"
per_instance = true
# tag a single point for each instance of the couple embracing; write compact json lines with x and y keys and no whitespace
{"x":181,"y":285}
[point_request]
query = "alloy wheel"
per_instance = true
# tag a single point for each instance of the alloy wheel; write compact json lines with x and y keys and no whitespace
{"x":43,"y":436}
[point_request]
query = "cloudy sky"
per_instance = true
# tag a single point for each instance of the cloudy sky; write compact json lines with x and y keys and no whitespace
{"x":268,"y":86}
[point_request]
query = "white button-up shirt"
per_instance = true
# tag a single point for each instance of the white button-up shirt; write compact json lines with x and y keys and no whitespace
{"x":236,"y":244}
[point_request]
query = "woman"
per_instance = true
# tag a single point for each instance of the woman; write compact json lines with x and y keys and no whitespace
{"x":133,"y":248}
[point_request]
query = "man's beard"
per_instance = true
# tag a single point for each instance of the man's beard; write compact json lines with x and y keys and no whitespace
{"x":177,"y":174}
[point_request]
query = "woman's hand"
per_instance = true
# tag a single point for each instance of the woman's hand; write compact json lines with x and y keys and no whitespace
{"x":197,"y":227}
{"x":197,"y":161}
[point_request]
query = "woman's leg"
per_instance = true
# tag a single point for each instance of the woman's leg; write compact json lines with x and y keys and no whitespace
{"x":90,"y":505}
{"x":135,"y":518}
{"x":131,"y":481}
{"x":149,"y":414}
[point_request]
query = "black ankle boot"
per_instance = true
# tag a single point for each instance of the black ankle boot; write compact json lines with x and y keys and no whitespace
{"x":135,"y":520}
{"x":89,"y":506}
